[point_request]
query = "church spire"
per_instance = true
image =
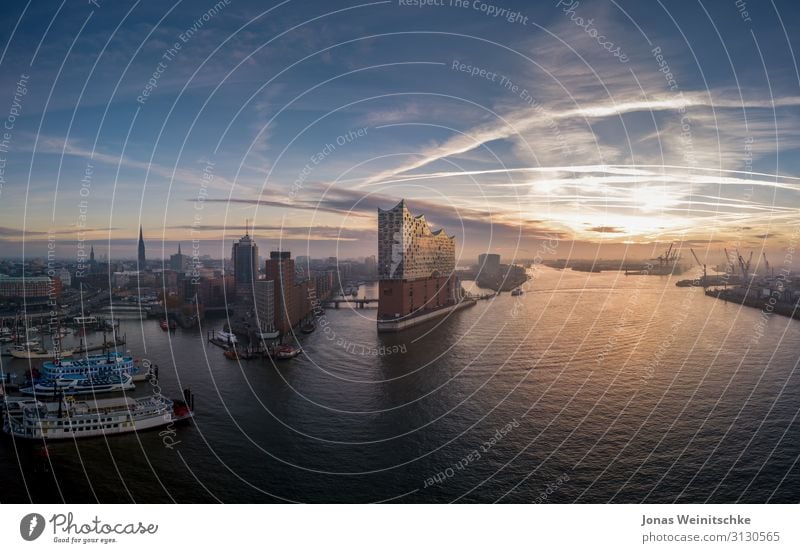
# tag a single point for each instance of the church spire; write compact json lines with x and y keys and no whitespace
{"x":142,"y":258}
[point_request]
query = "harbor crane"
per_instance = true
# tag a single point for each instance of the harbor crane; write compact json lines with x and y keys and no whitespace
{"x":670,"y":255}
{"x":731,"y":267}
{"x":742,"y":265}
{"x":698,"y":262}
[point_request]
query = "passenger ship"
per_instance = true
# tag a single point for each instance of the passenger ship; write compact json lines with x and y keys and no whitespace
{"x":109,"y":364}
{"x":81,"y":385}
{"x":32,"y":419}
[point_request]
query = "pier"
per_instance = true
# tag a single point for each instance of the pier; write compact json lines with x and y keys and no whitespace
{"x":358,"y":303}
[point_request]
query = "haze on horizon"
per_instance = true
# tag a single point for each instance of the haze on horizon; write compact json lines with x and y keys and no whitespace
{"x":303,"y":119}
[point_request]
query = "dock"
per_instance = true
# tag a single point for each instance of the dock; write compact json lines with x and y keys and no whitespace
{"x":751,"y":298}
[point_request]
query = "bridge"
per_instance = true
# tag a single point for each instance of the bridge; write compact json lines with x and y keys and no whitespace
{"x":359,"y":303}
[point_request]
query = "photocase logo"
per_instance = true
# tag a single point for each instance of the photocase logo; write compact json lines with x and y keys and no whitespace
{"x":31,"y":526}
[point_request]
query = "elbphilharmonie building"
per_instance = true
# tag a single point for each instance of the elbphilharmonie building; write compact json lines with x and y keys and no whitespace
{"x":416,"y":269}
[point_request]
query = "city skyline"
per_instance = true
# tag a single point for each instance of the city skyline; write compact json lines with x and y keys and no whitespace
{"x":401,"y":251}
{"x":508,"y":134}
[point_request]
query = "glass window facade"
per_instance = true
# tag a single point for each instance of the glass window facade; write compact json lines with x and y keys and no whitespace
{"x":408,"y":249}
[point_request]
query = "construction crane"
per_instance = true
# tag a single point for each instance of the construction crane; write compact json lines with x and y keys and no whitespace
{"x":766,"y":263}
{"x":749,"y":260}
{"x":698,"y":262}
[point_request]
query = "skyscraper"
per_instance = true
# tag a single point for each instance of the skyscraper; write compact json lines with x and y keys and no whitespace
{"x":142,"y":258}
{"x":416,"y":270}
{"x":280,"y":270}
{"x":244,"y":258}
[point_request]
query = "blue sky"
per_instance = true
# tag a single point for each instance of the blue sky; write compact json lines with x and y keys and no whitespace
{"x":303,"y":117}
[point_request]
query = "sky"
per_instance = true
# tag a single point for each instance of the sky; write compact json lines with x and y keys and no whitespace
{"x":553,"y":129}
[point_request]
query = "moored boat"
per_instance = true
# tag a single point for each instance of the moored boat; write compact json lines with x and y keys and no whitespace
{"x":68,"y":419}
{"x":112,"y":363}
{"x":23,"y":352}
{"x":9,"y":347}
{"x":81,"y":385}
{"x":226,"y":337}
{"x":287,"y":352}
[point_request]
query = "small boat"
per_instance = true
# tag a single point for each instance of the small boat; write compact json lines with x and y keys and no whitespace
{"x":9,"y":348}
{"x":22,"y":352}
{"x":69,"y":419}
{"x":226,"y":337}
{"x":287,"y":352}
{"x":107,"y":345}
{"x":308,"y":328}
{"x":87,"y":320}
{"x":517,"y":292}
{"x":231,"y":354}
